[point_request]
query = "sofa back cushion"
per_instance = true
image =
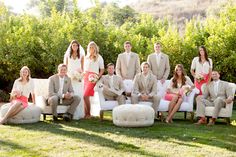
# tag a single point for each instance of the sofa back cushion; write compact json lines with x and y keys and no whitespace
{"x":41,"y":87}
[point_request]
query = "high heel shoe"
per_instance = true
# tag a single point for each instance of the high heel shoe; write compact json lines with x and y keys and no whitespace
{"x":167,"y":121}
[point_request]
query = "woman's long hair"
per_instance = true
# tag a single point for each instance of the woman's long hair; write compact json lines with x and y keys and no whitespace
{"x":21,"y":71}
{"x":176,"y":76}
{"x":78,"y":50}
{"x":96,"y":48}
{"x":205,"y":54}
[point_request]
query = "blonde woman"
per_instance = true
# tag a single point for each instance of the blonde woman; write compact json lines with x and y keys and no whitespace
{"x":21,"y":90}
{"x":93,"y":68}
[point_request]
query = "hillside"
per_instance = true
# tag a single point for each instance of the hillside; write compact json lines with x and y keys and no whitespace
{"x":178,"y":10}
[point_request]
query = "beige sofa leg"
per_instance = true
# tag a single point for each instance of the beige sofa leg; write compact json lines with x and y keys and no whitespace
{"x":227,"y":121}
{"x":185,"y":115}
{"x":44,"y":116}
{"x":101,"y":115}
{"x":192,"y":116}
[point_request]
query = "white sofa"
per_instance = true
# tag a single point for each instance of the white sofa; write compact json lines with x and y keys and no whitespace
{"x":186,"y":106}
{"x":41,"y":93}
{"x":108,"y":105}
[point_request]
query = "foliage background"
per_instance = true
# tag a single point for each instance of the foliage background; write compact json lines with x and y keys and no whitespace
{"x":40,"y":42}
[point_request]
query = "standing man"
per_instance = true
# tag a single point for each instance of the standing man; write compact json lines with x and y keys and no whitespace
{"x":61,"y":92}
{"x":145,"y":88}
{"x":128,"y":63}
{"x":159,"y":63}
{"x":217,"y":94}
{"x":113,"y":86}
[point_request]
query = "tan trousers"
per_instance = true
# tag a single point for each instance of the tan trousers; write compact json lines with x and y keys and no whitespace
{"x":218,"y":103}
{"x":155,"y":101}
{"x":112,"y":96}
{"x":73,"y":102}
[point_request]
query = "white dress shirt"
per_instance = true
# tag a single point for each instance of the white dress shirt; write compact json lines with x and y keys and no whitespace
{"x":158,"y":58}
{"x":111,"y":81}
{"x":61,"y":84}
{"x":216,"y":86}
{"x":127,"y":57}
{"x":145,"y":79}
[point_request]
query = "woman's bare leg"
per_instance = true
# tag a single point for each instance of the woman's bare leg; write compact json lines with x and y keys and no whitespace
{"x":86,"y":106}
{"x":12,"y":111}
{"x":176,"y":108}
{"x":171,"y":106}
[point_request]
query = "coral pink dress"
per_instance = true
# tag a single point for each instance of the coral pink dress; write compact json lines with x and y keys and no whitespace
{"x":177,"y":91}
{"x":91,"y":67}
{"x":25,"y":90}
{"x":203,"y":69}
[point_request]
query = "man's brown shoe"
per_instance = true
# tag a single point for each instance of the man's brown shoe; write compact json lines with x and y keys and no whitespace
{"x":201,"y":121}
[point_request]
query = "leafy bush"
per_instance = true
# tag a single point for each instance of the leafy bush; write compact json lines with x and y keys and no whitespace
{"x":40,"y":42}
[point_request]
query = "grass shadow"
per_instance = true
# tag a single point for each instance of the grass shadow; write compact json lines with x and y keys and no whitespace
{"x":13,"y":147}
{"x":220,"y":135}
{"x":56,"y":128}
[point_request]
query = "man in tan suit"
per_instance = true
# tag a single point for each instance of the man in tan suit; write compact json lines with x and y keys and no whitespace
{"x":127,"y":63}
{"x":145,"y":87}
{"x":113,"y":86}
{"x":61,"y":92}
{"x":217,"y":94}
{"x":159,"y":63}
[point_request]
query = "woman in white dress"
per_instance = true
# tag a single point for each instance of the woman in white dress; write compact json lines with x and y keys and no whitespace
{"x":21,"y":90}
{"x":74,"y":59}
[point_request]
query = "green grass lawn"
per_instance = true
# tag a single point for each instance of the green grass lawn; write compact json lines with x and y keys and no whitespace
{"x":95,"y":138}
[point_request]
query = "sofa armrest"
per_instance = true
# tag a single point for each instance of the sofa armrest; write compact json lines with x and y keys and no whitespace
{"x":99,"y":90}
{"x":190,"y":97}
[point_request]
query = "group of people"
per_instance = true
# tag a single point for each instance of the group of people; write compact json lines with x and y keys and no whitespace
{"x":64,"y":86}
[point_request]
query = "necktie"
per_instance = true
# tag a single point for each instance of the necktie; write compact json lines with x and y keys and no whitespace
{"x":111,"y":82}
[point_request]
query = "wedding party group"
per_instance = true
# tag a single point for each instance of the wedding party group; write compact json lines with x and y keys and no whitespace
{"x":88,"y":69}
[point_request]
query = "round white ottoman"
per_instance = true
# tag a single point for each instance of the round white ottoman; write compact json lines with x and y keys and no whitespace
{"x":30,"y":114}
{"x":133,"y":115}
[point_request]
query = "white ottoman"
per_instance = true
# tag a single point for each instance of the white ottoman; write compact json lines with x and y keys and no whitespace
{"x":133,"y":115}
{"x":30,"y":114}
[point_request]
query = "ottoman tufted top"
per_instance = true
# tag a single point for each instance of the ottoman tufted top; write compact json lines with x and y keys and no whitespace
{"x":133,"y":115}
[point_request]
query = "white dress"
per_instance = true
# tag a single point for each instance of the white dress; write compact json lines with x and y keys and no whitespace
{"x":73,"y":66}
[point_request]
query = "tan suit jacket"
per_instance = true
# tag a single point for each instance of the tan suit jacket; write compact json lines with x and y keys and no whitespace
{"x":224,"y":91}
{"x":54,"y":86}
{"x":160,"y":70}
{"x":148,"y":88}
{"x":127,"y":71}
{"x":118,"y":85}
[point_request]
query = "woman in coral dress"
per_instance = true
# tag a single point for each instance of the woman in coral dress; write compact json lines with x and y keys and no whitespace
{"x":94,"y":68}
{"x":201,"y":69}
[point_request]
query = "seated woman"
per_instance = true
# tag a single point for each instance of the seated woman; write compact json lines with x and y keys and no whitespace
{"x":180,"y":84}
{"x":21,"y":90}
